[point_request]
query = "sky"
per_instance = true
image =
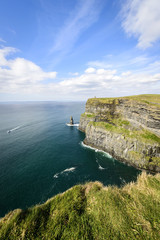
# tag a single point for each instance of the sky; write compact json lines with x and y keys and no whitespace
{"x":72,"y":50}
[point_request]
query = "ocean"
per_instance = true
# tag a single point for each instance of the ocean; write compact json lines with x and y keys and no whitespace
{"x":41,"y":156}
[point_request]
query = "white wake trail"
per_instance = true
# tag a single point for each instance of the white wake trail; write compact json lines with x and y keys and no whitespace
{"x":13,"y":129}
{"x":67,"y":170}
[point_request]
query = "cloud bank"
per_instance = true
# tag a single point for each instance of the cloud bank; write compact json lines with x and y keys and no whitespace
{"x":19,"y":74}
{"x":27,"y":81}
{"x":141,"y":19}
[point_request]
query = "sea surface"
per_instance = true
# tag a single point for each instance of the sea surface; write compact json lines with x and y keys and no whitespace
{"x":41,"y":156}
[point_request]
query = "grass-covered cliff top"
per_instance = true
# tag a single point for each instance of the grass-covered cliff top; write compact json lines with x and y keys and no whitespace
{"x":150,"y":99}
{"x":91,"y":211}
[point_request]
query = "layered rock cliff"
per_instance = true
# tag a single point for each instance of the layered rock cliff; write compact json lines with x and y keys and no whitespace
{"x":128,"y":128}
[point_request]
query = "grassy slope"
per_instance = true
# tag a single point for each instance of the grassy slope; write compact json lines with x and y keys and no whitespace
{"x":150,"y":99}
{"x":92,"y":211}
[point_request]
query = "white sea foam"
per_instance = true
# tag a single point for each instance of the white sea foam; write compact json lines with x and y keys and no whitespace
{"x":67,"y":170}
{"x":56,"y":175}
{"x":13,"y":129}
{"x":72,"y":125}
{"x":96,"y":150}
{"x":99,"y":166}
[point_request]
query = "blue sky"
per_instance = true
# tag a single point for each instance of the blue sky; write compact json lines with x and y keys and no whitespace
{"x":75,"y":49}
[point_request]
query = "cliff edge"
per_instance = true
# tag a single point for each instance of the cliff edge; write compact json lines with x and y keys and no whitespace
{"x":91,"y":211}
{"x":128,"y":128}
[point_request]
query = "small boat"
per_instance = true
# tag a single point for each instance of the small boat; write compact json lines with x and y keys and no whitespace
{"x":9,"y":131}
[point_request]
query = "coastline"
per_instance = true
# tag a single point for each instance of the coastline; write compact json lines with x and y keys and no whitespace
{"x":126,"y":132}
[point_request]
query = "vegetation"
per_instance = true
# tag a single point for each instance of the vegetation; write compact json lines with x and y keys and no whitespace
{"x":112,"y":114}
{"x":149,"y":99}
{"x":120,"y":126}
{"x":155,"y":161}
{"x":89,"y":115}
{"x":137,"y":156}
{"x":91,"y":211}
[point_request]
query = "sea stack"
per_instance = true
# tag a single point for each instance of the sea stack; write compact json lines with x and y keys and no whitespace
{"x":71,"y":120}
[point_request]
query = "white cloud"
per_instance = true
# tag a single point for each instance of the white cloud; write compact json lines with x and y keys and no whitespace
{"x":22,"y":77}
{"x":106,"y":83}
{"x":126,"y":73}
{"x":142,"y":20}
{"x":90,"y":70}
{"x":105,"y":72}
{"x":4,"y":52}
{"x":19,"y":73}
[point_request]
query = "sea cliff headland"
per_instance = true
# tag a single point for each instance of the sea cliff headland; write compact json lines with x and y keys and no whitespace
{"x":128,"y":128}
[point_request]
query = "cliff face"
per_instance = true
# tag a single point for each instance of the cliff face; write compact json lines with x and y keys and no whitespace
{"x":127,"y":128}
{"x":84,"y":120}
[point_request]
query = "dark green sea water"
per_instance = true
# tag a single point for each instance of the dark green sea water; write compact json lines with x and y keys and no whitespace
{"x":41,"y":156}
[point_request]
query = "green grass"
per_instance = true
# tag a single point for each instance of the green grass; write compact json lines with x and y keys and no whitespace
{"x":150,"y":136}
{"x":155,"y":161}
{"x":91,"y":211}
{"x":119,"y":126}
{"x":136,"y":155}
{"x":149,"y":99}
{"x":88,"y":115}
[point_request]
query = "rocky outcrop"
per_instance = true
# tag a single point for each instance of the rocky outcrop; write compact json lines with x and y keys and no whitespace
{"x":127,"y":128}
{"x":71,"y":120}
{"x":84,"y":121}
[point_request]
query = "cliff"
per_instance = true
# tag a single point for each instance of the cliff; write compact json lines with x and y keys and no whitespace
{"x":91,"y":211}
{"x":128,"y":128}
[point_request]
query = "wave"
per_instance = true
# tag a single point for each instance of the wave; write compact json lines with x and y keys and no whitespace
{"x":67,"y":170}
{"x":13,"y":129}
{"x":96,"y":150}
{"x":72,"y":125}
{"x":56,"y":175}
{"x":99,"y":166}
